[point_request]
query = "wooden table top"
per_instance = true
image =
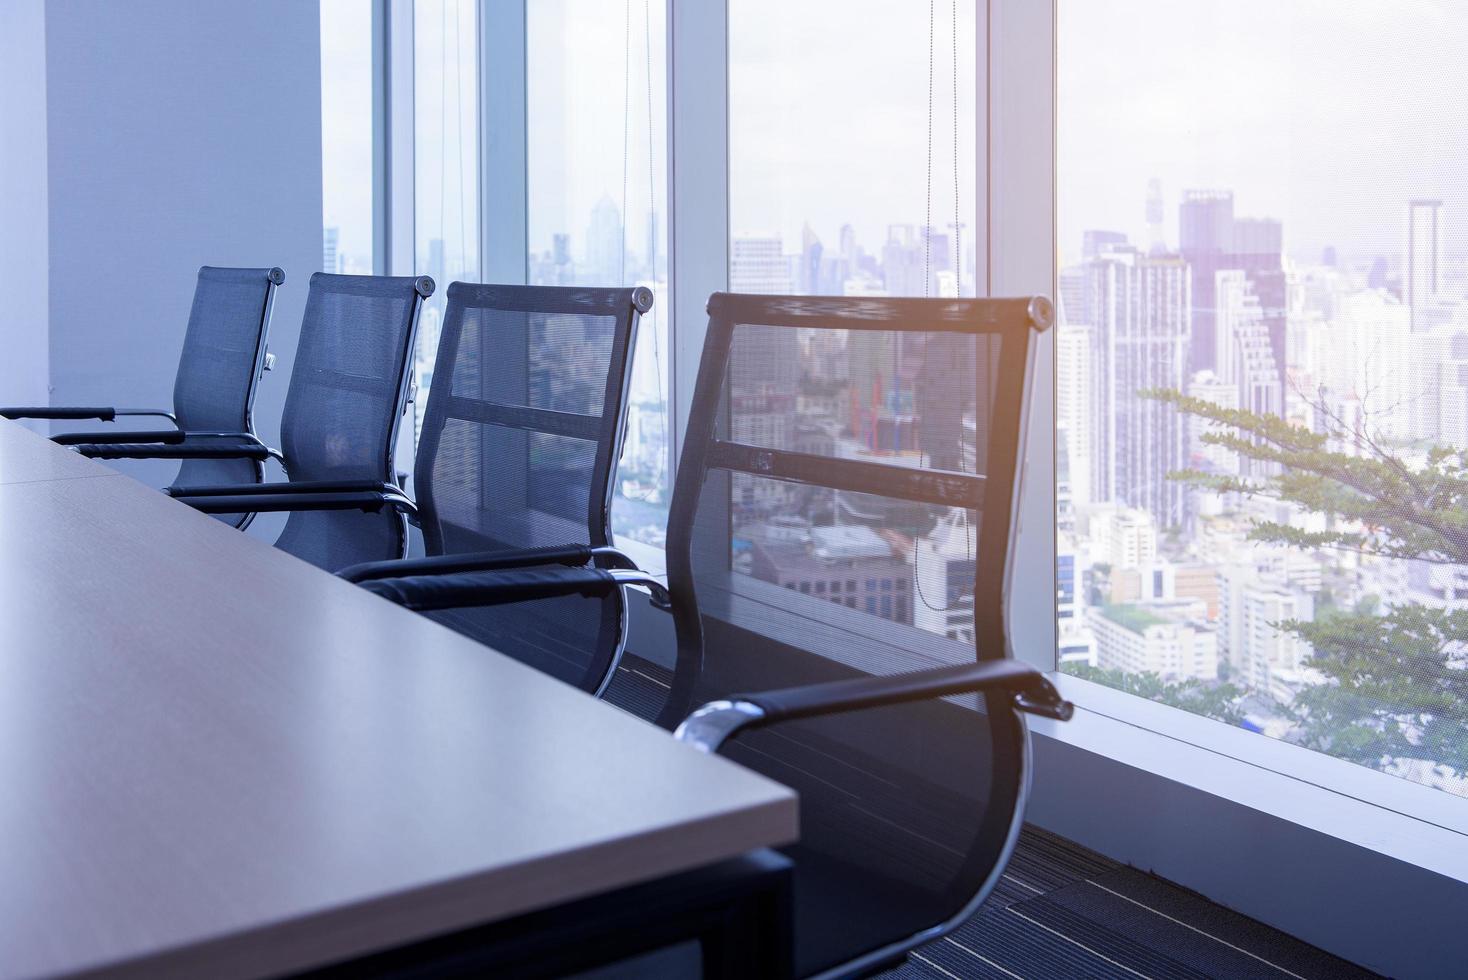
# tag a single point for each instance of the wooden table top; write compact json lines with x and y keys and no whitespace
{"x":217,"y":759}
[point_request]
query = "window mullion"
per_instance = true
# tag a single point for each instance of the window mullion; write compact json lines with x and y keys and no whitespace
{"x":698,"y":184}
{"x":1021,"y":261}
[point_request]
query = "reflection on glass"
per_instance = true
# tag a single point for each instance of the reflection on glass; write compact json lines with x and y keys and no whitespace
{"x":905,"y":400}
{"x":852,"y":173}
{"x":445,"y":163}
{"x":1263,"y":370}
{"x":346,"y":136}
{"x":597,"y":102}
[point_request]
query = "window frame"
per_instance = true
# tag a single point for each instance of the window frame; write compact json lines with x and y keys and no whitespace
{"x":1141,"y":782}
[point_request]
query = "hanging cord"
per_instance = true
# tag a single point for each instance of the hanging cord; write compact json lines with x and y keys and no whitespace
{"x":957,"y":228}
{"x":626,"y":124}
{"x":957,"y":263}
{"x":652,"y":241}
{"x":928,"y":209}
{"x":652,"y":232}
{"x":443,"y":121}
{"x":459,"y":145}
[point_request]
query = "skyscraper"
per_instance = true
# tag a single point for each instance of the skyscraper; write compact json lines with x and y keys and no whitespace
{"x":902,"y":263}
{"x":1211,"y":238}
{"x":757,"y":265}
{"x":1243,"y":354}
{"x":764,"y":371}
{"x":1423,"y":279}
{"x":1095,"y":241}
{"x":1073,"y":406}
{"x":811,"y":254}
{"x":329,"y":258}
{"x":1205,"y":237}
{"x":1258,"y":250}
{"x":1155,"y":215}
{"x":605,"y":245}
{"x":1139,"y":315}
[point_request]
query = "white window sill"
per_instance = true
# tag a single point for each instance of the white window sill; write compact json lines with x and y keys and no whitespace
{"x":1366,"y":865}
{"x":1403,"y":820}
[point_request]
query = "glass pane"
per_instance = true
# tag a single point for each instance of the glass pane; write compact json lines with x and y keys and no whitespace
{"x":346,"y":136}
{"x":445,"y":163}
{"x":1263,"y":369}
{"x":597,"y":150}
{"x":852,"y":126}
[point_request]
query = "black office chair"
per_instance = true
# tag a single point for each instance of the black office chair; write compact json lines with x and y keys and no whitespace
{"x":224,"y":356}
{"x":348,"y":391}
{"x":841,"y":541}
{"x":520,"y":441}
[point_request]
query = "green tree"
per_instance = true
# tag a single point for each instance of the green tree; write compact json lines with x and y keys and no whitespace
{"x":1396,"y":677}
{"x":1211,"y":699}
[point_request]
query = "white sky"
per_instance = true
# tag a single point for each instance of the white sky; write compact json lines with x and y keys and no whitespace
{"x":346,"y":121}
{"x":1327,"y":114}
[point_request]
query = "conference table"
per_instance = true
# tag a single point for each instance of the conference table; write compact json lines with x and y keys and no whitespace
{"x":217,"y":760}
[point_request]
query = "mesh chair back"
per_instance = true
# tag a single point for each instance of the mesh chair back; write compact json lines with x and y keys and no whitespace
{"x":347,"y":394}
{"x":520,"y":441}
{"x":844,"y":508}
{"x":223,"y":353}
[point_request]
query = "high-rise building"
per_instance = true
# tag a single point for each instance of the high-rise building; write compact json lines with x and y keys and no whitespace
{"x":1072,"y":305}
{"x":1422,"y":280}
{"x":1123,"y":537}
{"x":605,"y":245}
{"x":1095,"y":241}
{"x":329,"y":257}
{"x":1205,"y":237}
{"x":1155,"y":216}
{"x":943,"y":578}
{"x":1142,"y":639}
{"x":1207,"y":386}
{"x":849,"y":565}
{"x":1076,"y":644}
{"x":437,"y":265}
{"x":1368,"y":362}
{"x":1073,"y":405}
{"x":1445,"y":398}
{"x":1243,"y":352}
{"x":757,"y":265}
{"x":903,"y":268}
{"x":1251,"y":609}
{"x":1212,"y":239}
{"x":1139,"y":315}
{"x":1258,"y":250}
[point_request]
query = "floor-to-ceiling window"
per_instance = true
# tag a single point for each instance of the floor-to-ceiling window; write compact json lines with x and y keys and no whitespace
{"x":1263,"y":369}
{"x":347,"y":136}
{"x":852,"y":126}
{"x":596,"y":203}
{"x":445,"y":162}
{"x":852,"y":131}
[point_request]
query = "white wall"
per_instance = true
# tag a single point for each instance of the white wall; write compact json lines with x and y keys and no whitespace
{"x":24,"y":370}
{"x":181,"y":133}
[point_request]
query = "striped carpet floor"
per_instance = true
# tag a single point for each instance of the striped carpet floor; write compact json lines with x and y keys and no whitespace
{"x":1062,"y":911}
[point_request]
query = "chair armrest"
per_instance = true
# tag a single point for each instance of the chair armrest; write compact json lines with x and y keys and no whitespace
{"x":160,"y":413}
{"x":164,"y":436}
{"x":493,"y":588}
{"x":295,"y":486}
{"x":102,"y":413}
{"x":240,"y":450}
{"x":270,"y":498}
{"x":709,"y":726}
{"x":481,"y":561}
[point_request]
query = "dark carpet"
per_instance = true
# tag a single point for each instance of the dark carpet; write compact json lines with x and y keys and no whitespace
{"x":1062,"y":911}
